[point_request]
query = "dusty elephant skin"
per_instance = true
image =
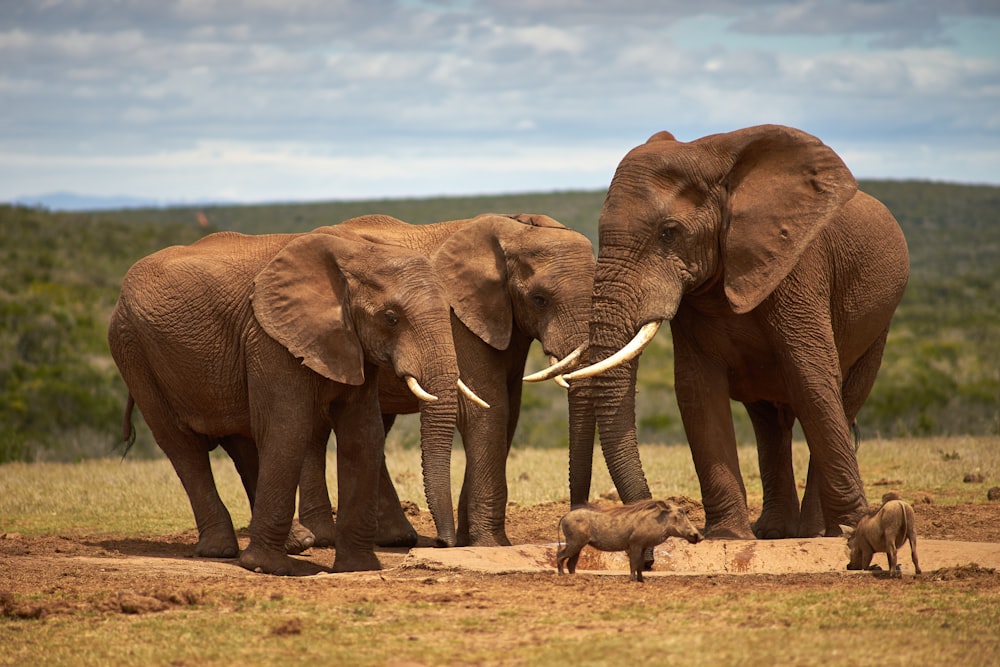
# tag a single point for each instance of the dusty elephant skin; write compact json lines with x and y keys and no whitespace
{"x":883,"y":532}
{"x":631,"y":528}
{"x":263,"y":345}
{"x":779,"y":279}
{"x":510,"y":280}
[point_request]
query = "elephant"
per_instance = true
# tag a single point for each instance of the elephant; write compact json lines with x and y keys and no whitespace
{"x":263,"y":344}
{"x":510,"y":280}
{"x":779,"y":279}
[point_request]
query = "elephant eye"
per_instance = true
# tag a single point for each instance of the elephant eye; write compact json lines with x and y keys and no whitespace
{"x":666,"y":233}
{"x":539,"y":300}
{"x":391,"y":318}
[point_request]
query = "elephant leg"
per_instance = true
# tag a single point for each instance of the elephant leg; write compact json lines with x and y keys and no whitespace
{"x":315,"y":526}
{"x":243,"y":452}
{"x":188,"y":454}
{"x":857,"y":385}
{"x":360,"y":460}
{"x":283,"y":432}
{"x":702,"y":389}
{"x":772,"y":425}
{"x":482,"y":504}
{"x":811,"y":521}
{"x":860,"y":377}
{"x":394,"y":529}
{"x":814,"y":380}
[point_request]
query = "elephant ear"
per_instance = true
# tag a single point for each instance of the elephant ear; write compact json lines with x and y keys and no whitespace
{"x":783,"y":188}
{"x":473,"y":268}
{"x":301,"y":300}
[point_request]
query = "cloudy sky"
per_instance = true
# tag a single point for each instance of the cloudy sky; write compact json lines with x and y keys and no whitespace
{"x":280,"y":100}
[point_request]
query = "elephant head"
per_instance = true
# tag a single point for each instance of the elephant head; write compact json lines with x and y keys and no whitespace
{"x":526,"y":272}
{"x":716,"y":224}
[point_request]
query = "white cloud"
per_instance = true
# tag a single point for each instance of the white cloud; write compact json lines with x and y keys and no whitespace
{"x":256,"y":96}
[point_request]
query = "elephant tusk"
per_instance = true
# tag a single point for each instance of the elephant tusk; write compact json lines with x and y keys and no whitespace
{"x":627,"y":353}
{"x":471,"y":395}
{"x":559,"y":379}
{"x":419,"y":391}
{"x":557,"y":368}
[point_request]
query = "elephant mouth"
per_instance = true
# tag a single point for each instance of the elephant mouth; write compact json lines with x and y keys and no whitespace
{"x":630,"y":351}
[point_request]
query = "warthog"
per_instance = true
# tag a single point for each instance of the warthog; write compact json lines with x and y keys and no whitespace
{"x":632,"y":528}
{"x":883,"y":531}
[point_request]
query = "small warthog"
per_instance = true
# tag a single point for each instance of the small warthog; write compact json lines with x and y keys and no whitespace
{"x":883,"y":531}
{"x":632,"y":528}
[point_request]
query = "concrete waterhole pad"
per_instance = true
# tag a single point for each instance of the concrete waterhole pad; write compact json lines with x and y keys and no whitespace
{"x":679,"y":557}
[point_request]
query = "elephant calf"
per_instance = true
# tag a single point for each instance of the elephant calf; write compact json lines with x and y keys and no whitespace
{"x":632,"y":528}
{"x":884,"y":531}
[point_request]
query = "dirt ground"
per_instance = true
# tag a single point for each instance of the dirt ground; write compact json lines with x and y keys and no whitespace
{"x":67,"y":575}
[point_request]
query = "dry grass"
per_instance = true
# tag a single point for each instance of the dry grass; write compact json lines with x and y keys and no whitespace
{"x":133,"y":497}
{"x":425,"y":617}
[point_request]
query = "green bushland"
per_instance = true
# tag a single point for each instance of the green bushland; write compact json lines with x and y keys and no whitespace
{"x":61,"y":397}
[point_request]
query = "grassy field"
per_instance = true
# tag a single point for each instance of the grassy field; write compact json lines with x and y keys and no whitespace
{"x":144,"y":497}
{"x":55,"y":511}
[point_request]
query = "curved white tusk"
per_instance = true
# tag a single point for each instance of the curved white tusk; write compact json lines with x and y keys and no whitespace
{"x":559,"y":379}
{"x":471,"y":395}
{"x":557,"y":368}
{"x":419,"y":391}
{"x":627,"y":353}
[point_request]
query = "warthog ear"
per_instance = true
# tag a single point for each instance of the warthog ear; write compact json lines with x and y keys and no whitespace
{"x":848,"y":531}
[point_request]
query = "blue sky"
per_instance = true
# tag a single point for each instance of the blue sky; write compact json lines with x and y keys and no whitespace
{"x":281,"y":100}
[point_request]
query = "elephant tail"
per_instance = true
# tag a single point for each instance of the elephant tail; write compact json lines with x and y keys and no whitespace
{"x":128,"y":431}
{"x":856,"y":431}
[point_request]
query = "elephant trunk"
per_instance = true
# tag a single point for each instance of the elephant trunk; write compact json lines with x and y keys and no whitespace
{"x":437,"y":429}
{"x":581,"y":442}
{"x":613,"y":393}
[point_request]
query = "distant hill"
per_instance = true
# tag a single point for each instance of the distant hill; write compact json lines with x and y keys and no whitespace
{"x":61,"y":397}
{"x":75,"y":202}
{"x":71,"y":201}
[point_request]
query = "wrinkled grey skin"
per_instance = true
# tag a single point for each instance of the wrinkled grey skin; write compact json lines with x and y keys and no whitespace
{"x":883,"y":532}
{"x":264,"y":344}
{"x":511,"y":280}
{"x":779,"y":280}
{"x":631,"y":528}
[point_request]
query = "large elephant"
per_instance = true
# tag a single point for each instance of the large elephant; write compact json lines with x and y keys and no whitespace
{"x":263,"y":344}
{"x":779,"y":279}
{"x":510,"y":280}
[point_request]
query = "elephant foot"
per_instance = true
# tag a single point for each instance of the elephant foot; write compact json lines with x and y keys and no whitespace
{"x":299,"y":539}
{"x":728,"y":533}
{"x":217,"y":544}
{"x":322,"y":527}
{"x":403,"y":540}
{"x":498,"y":539}
{"x":356,"y":561}
{"x":268,"y":561}
{"x":445,"y":541}
{"x":394,"y":529}
{"x":773,"y":526}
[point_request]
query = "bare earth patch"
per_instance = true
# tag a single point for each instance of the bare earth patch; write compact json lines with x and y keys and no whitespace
{"x":66,"y":575}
